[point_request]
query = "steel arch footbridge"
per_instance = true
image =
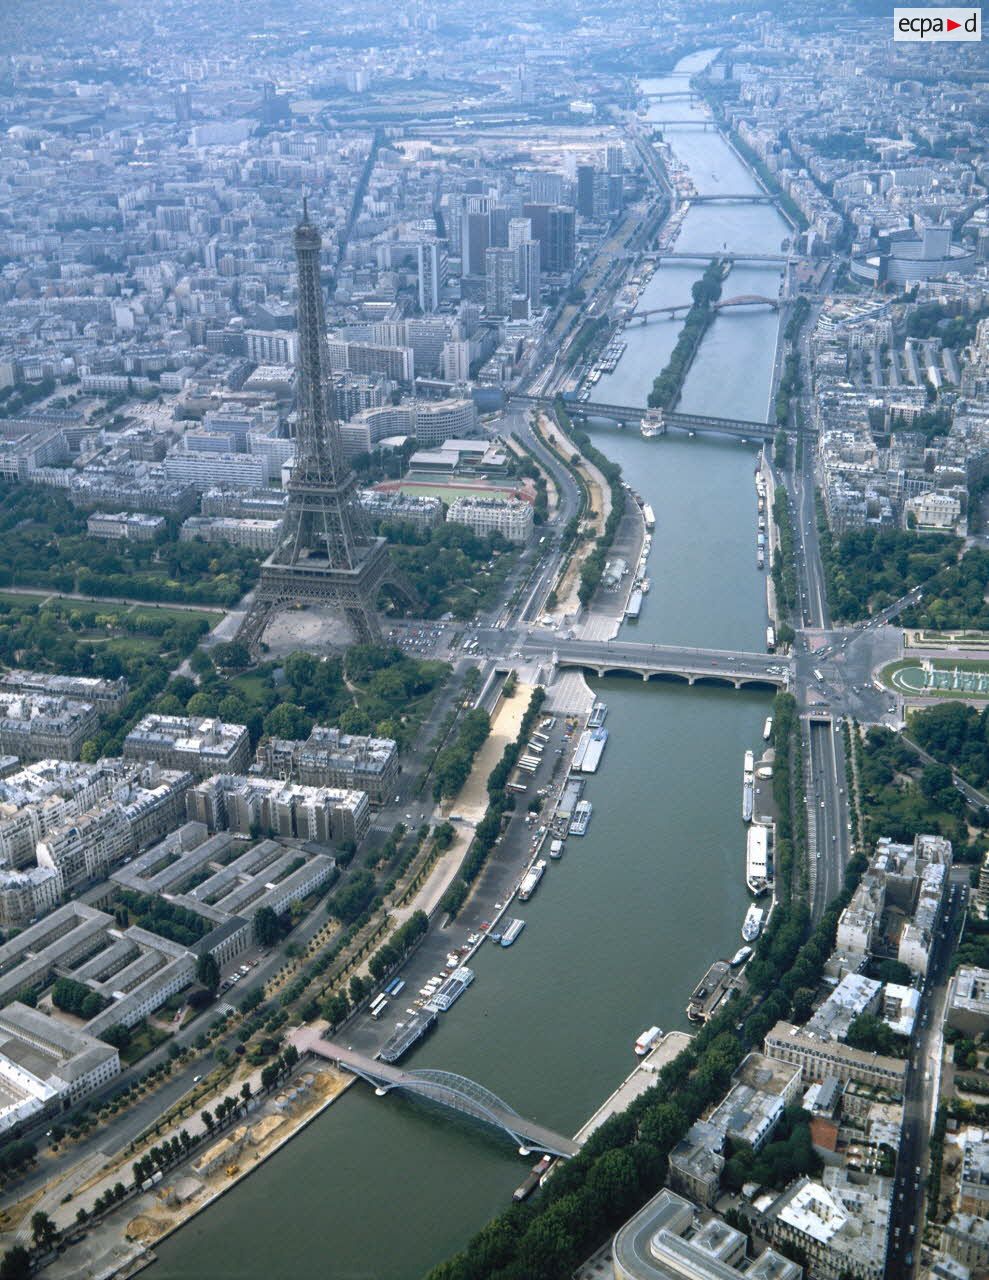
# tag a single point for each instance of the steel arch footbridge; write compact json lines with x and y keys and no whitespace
{"x":444,"y":1087}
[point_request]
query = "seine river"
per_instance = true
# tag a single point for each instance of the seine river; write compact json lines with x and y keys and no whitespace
{"x":629,"y":920}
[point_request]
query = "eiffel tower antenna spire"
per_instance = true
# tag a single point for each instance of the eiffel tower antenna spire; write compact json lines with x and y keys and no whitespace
{"x":326,"y":555}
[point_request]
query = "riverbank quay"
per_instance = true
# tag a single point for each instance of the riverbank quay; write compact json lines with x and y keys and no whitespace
{"x":590,"y":522}
{"x":766,"y":475}
{"x":121,"y":1243}
{"x":746,"y":156}
{"x":491,"y":894}
{"x":639,"y":1079}
{"x":609,"y":606}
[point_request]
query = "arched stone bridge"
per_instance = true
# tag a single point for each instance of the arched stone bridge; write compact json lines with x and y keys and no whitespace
{"x":710,"y":666}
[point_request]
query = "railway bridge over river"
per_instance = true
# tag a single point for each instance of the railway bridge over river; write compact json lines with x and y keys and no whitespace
{"x":631,"y":415}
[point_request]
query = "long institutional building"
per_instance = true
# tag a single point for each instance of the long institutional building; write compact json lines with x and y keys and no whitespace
{"x":183,"y":819}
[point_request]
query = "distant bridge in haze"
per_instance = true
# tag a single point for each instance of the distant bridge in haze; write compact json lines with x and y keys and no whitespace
{"x":708,"y":255}
{"x":744,"y":197}
{"x":743,"y":300}
{"x":631,"y":415}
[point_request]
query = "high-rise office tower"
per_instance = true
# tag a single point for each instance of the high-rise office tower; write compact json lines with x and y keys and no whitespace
{"x":561,"y":235}
{"x":554,"y":227}
{"x":616,"y":158}
{"x":519,"y":229}
{"x":456,"y":360}
{"x":585,"y":190}
{"x":475,"y":235}
{"x":528,"y":280}
{"x":501,"y":268}
{"x":546,"y":188}
{"x":432,"y":272}
{"x":183,"y":104}
{"x":537,"y":214}
{"x":326,"y":555}
{"x":499,"y":226}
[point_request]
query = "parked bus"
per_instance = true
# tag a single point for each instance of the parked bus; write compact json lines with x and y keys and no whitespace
{"x":377,"y":1009}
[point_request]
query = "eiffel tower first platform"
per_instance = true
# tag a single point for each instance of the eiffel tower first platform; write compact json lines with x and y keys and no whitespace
{"x":327,"y":555}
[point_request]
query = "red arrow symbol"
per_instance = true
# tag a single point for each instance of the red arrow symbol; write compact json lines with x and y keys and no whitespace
{"x":953,"y":25}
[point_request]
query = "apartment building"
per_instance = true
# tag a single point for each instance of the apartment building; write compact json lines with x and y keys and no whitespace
{"x":202,"y":745}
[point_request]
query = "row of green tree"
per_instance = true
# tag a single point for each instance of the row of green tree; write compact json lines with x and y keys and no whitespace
{"x":391,"y":953}
{"x":592,"y":569}
{"x":668,"y":384}
{"x":784,"y":558}
{"x":769,"y":180}
{"x":798,"y":315}
{"x":500,"y":804}
{"x":790,"y":386}
{"x":452,"y":766}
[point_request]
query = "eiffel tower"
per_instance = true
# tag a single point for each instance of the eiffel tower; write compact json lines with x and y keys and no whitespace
{"x":327,"y":554}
